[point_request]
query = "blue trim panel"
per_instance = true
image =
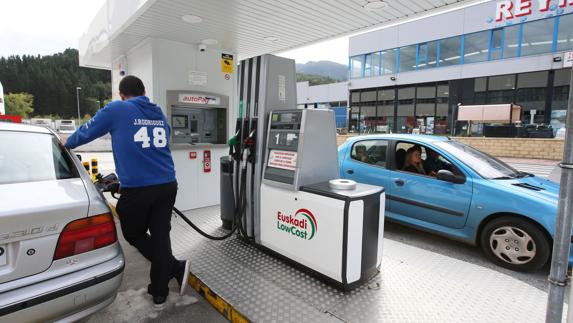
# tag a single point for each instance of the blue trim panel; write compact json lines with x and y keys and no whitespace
{"x":462,"y":49}
{"x":438,"y":49}
{"x":555,"y":34}
{"x":397,"y":69}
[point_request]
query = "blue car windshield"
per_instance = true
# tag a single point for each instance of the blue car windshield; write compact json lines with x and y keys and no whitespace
{"x":486,"y":166}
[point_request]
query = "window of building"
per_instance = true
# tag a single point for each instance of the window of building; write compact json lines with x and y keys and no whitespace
{"x":561,"y":89}
{"x":356,"y":66}
{"x":537,"y":37}
{"x":496,"y":44}
{"x":476,"y":47}
{"x":368,"y":97}
{"x":531,"y":94}
{"x":425,"y":101}
{"x":480,"y":90}
{"x":389,"y":61}
{"x":442,"y":103}
{"x":407,"y":58}
{"x":368,"y":119}
{"x":405,"y":114}
{"x":368,"y":65}
{"x":386,"y":99}
{"x":501,"y":89}
{"x":425,"y":108}
{"x":353,"y":123}
{"x":565,"y":33}
{"x":450,"y":51}
{"x":511,"y":41}
{"x":428,"y":55}
{"x":560,"y":97}
{"x":355,"y":97}
{"x":376,"y":62}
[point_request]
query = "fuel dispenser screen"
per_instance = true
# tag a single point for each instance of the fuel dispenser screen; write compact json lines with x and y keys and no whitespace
{"x":180,"y":122}
{"x":283,"y":146}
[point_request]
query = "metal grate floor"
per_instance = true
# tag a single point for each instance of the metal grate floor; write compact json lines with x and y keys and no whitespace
{"x":414,"y":285}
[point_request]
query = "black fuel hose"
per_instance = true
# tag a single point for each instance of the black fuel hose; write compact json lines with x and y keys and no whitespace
{"x":113,"y":188}
{"x":203,"y":233}
{"x":239,"y":213}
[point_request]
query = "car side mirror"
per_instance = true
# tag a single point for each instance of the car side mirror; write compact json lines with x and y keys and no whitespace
{"x":447,"y":176}
{"x":79,"y":157}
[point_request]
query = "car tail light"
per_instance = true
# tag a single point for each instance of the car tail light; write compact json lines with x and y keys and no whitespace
{"x":85,"y":235}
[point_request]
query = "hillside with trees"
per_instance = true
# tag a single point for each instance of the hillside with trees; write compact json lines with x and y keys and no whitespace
{"x":52,"y":80}
{"x":314,"y":79}
{"x":332,"y":70}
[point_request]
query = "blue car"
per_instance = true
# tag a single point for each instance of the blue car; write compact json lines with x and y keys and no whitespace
{"x":445,"y":187}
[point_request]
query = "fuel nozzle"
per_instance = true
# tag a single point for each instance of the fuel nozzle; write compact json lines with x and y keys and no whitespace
{"x":250,"y":140}
{"x":233,"y":141}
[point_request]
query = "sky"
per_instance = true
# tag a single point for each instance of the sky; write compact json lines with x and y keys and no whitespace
{"x":46,"y":27}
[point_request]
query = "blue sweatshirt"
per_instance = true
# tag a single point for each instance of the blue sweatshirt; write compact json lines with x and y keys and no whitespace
{"x":139,"y":138}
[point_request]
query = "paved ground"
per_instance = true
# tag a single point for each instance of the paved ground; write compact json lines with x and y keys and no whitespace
{"x":134,"y":305}
{"x":395,"y":232}
{"x":539,"y":167}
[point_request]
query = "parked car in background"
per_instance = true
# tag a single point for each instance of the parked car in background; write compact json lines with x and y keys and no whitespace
{"x":43,"y":122}
{"x":65,"y":126}
{"x":462,"y":193}
{"x":59,"y":254}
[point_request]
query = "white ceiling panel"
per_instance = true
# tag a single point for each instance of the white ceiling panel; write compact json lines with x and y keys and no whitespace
{"x":242,"y":25}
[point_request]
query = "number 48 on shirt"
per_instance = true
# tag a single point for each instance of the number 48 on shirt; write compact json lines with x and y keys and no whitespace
{"x":159,"y":137}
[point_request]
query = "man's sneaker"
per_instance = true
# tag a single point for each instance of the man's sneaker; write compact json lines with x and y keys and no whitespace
{"x":183,"y":276}
{"x":159,"y":302}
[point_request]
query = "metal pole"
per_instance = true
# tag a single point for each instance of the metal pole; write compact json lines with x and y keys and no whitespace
{"x":560,"y":259}
{"x":78,"y":101}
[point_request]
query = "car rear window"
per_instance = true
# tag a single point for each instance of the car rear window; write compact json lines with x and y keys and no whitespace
{"x":31,"y":157}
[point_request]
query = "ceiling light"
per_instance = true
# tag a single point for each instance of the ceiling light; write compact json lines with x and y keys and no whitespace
{"x":375,"y":5}
{"x":192,"y":19}
{"x":210,"y":41}
{"x":271,"y":39}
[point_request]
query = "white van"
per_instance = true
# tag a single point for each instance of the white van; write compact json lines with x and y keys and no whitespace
{"x":44,"y":122}
{"x":65,"y":126}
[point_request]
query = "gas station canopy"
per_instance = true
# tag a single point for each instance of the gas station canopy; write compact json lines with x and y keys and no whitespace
{"x":246,"y":27}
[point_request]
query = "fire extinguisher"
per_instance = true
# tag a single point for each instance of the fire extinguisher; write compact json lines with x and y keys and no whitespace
{"x":207,"y":161}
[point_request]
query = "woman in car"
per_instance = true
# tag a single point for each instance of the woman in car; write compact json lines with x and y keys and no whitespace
{"x":413,"y":162}
{"x":361,"y":154}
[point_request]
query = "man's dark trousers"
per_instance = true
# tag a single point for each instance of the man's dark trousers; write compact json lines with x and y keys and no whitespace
{"x":150,"y":208}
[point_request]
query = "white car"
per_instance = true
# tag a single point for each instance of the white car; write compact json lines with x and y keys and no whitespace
{"x":59,"y":254}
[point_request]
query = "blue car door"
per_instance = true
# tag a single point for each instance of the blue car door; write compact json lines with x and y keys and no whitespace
{"x":425,"y":198}
{"x":365,"y":162}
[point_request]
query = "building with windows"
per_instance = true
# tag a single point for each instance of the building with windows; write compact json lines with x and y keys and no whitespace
{"x":325,"y":96}
{"x":415,"y":74}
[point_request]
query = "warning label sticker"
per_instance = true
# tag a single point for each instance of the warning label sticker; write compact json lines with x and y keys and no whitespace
{"x":226,"y":63}
{"x":282,"y":159}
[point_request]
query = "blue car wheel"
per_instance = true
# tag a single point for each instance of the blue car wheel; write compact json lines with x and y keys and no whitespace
{"x":515,"y":243}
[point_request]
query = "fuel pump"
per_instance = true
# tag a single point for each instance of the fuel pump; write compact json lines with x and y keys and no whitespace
{"x":288,"y":195}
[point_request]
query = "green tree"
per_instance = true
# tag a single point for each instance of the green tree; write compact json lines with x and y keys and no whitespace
{"x":53,"y":79}
{"x":19,"y":104}
{"x":314,"y":79}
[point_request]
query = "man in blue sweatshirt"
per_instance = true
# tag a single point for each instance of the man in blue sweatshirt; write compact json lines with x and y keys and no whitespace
{"x":143,"y":162}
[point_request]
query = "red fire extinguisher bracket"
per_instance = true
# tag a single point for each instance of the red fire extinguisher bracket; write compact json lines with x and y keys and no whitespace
{"x":207,"y":161}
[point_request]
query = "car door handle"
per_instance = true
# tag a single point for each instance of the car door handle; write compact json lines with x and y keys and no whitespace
{"x":399,"y":182}
{"x":350,"y":171}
